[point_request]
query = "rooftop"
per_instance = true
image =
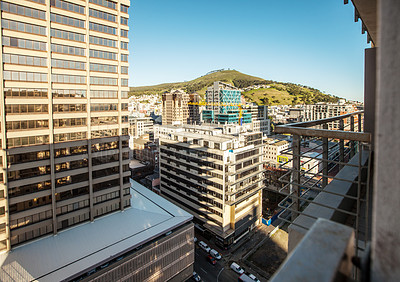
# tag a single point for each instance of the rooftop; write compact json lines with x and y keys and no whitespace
{"x":79,"y":249}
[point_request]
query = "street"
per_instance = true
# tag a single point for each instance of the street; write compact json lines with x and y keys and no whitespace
{"x":211,"y":273}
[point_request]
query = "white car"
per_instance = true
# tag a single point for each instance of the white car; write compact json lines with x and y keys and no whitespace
{"x":235,"y":267}
{"x":215,"y":254}
{"x":254,"y":278}
{"x":204,"y":246}
{"x":196,"y":277}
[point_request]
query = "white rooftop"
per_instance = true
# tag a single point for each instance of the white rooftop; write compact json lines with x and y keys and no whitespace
{"x":78,"y":249}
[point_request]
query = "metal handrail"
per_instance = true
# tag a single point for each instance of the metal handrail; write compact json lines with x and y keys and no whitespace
{"x":302,"y":128}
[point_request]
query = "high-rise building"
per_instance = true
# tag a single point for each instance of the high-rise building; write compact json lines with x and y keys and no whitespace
{"x":64,"y":109}
{"x":216,"y":174}
{"x":221,"y":101}
{"x":259,"y":118}
{"x":175,"y":107}
{"x":194,"y":109}
{"x":325,"y":110}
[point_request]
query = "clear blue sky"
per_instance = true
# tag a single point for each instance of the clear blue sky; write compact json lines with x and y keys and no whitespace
{"x":310,"y":42}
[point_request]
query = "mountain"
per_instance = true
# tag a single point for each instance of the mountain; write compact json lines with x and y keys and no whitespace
{"x":277,"y":93}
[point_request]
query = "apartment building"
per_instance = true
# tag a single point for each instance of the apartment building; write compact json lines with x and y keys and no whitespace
{"x":194,"y":110}
{"x":273,"y":151}
{"x":259,"y":118}
{"x":64,"y":109}
{"x":216,"y":174}
{"x":175,"y":107}
{"x":221,"y":101}
{"x":323,"y":110}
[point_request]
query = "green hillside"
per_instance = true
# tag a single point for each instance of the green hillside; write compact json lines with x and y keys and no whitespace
{"x":278,"y":93}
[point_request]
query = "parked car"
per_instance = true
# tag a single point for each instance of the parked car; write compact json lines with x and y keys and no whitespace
{"x":254,"y":278}
{"x":215,"y":254}
{"x":196,"y":277}
{"x":235,"y":267}
{"x":211,"y":259}
{"x":204,"y":246}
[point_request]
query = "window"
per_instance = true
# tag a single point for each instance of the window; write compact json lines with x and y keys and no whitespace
{"x":103,"y":80}
{"x":104,"y":120}
{"x":124,"y":45}
{"x":68,"y":6}
{"x":105,"y":3}
{"x":23,"y":43}
{"x":25,"y":76}
{"x":63,"y":64}
{"x":64,"y":49}
{"x":124,"y":57}
{"x":102,"y":54}
{"x":69,"y":93}
{"x":124,"y":8}
{"x":23,"y":11}
{"x":65,"y":108}
{"x":67,"y":20}
{"x":31,"y":124}
{"x":124,"y":33}
{"x":24,"y":92}
{"x":103,"y":68}
{"x":124,"y":82}
{"x":103,"y":94}
{"x":102,"y":28}
{"x":27,"y":141}
{"x":65,"y":78}
{"x":102,"y":41}
{"x":102,"y":15}
{"x":124,"y":21}
{"x":124,"y":69}
{"x":27,"y":109}
{"x":97,"y":107}
{"x":24,"y":60}
{"x":69,"y":122}
{"x":67,"y":35}
{"x":124,"y":94}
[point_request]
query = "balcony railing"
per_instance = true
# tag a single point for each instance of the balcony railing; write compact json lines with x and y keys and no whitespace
{"x":328,"y":176}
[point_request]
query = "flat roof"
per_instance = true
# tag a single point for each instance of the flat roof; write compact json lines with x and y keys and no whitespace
{"x":79,"y":249}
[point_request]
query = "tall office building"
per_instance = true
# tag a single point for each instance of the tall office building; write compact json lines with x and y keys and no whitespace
{"x":175,"y":107}
{"x":216,"y":174}
{"x":64,"y":109}
{"x":221,"y":101}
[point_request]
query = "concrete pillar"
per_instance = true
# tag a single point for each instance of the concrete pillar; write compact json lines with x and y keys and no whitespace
{"x":385,"y":255}
{"x":370,"y":91}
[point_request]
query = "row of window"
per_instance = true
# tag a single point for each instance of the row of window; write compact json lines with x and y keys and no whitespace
{"x":103,"y":68}
{"x":105,"y":3}
{"x":124,"y":57}
{"x":68,"y":6}
{"x":62,"y":93}
{"x":66,"y":78}
{"x":24,"y":76}
{"x":62,"y":137}
{"x":64,"y":49}
{"x":103,"y":54}
{"x":104,"y":120}
{"x":23,"y":11}
{"x":63,"y":64}
{"x":24,"y":60}
{"x":124,"y":45}
{"x":103,"y":80}
{"x":25,"y":124}
{"x":69,"y":93}
{"x":23,"y":108}
{"x":68,"y":35}
{"x":28,"y":173}
{"x":68,"y":122}
{"x":102,"y":15}
{"x":104,"y":133}
{"x":67,"y":20}
{"x":124,"y":8}
{"x":103,"y":41}
{"x":124,"y":82}
{"x":23,"y":27}
{"x":27,"y":141}
{"x":24,"y":43}
{"x":102,"y":28}
{"x":23,"y":92}
{"x":124,"y":69}
{"x":103,"y":107}
{"x":61,"y":108}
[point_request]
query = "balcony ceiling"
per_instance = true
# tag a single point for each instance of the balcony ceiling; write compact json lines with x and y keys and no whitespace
{"x":367,"y":11}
